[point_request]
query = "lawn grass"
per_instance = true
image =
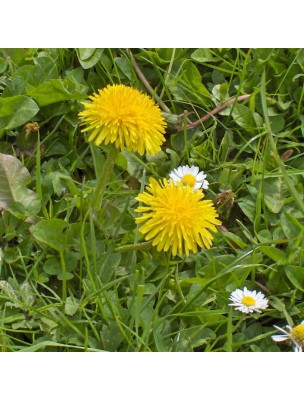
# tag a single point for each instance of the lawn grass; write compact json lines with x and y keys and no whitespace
{"x":76,"y":274}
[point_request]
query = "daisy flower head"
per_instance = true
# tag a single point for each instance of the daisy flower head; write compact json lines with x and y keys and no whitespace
{"x":248,"y":301}
{"x":124,"y":116}
{"x":190,"y":176}
{"x":295,"y":335}
{"x":176,"y":217}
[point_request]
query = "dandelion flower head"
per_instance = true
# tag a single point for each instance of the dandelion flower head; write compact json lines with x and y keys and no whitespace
{"x":176,"y":217}
{"x":295,"y":335}
{"x":190,"y":176}
{"x":126,"y":117}
{"x":248,"y":301}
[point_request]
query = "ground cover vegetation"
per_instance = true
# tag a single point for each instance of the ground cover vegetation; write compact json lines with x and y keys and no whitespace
{"x":151,"y":200}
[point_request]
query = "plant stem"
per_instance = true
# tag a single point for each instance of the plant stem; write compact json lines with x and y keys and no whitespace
{"x":133,"y":247}
{"x":186,"y":137}
{"x":146,"y":83}
{"x":103,"y":178}
{"x":218,"y":109}
{"x":38,"y":176}
{"x":64,"y":278}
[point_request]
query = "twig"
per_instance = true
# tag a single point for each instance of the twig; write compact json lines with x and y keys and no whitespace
{"x":216,"y":110}
{"x":146,"y":83}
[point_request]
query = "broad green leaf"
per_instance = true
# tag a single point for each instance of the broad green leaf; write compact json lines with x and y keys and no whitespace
{"x":291,"y":226}
{"x":264,"y":236}
{"x":248,"y":206}
{"x":204,"y":56}
{"x":275,"y":254}
{"x":134,"y":168}
{"x":84,"y":54}
{"x":161,"y":336}
{"x":88,"y":57}
{"x":245,"y":118}
{"x":3,"y":64}
{"x":14,"y":88}
{"x":154,"y":56}
{"x":296,"y":276}
{"x":30,"y":76}
{"x":56,"y":90}
{"x":16,"y":111}
{"x":278,"y":304}
{"x":185,"y":83}
{"x":263,"y":54}
{"x":111,"y":336}
{"x":17,"y":55}
{"x":52,"y":266}
{"x":166,"y":54}
{"x":235,"y":239}
{"x":77,"y":76}
{"x":26,"y":293}
{"x":57,"y":179}
{"x":71,"y":306}
{"x":8,"y":290}
{"x":194,"y":337}
{"x":13,"y":180}
{"x":51,"y":233}
{"x":43,"y":70}
{"x":275,"y":193}
{"x":125,"y":66}
{"x":277,"y":123}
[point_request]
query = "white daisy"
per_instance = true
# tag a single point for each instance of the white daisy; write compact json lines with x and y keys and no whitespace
{"x":247,"y":301}
{"x":190,"y":176}
{"x":295,"y":335}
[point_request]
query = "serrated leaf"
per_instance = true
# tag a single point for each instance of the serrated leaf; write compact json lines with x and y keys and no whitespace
{"x":13,"y":180}
{"x":16,"y":111}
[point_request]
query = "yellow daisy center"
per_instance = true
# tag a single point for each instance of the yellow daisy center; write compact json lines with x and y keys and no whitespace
{"x":189,"y":180}
{"x":248,"y":301}
{"x":176,"y":217}
{"x":297,"y":334}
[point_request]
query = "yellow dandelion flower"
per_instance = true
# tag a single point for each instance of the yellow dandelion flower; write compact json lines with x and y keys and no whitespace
{"x":176,"y":217}
{"x":126,"y":117}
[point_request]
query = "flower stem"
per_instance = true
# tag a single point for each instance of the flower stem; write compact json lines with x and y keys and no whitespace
{"x":103,"y":178}
{"x":133,"y":247}
{"x":64,"y":278}
{"x":215,"y":111}
{"x":186,"y":137}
